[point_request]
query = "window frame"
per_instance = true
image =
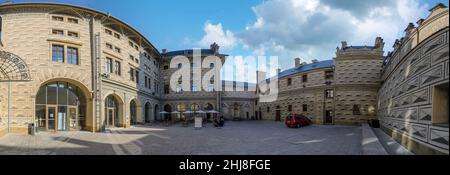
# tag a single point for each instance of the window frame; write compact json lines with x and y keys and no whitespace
{"x":69,"y":33}
{"x":72,"y":20}
{"x":59,"y":51}
{"x":70,"y":55}
{"x":109,"y":65}
{"x":56,"y":18}
{"x":56,"y":32}
{"x":117,"y":68}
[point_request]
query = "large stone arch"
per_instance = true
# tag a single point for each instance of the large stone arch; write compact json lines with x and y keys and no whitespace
{"x":90,"y":119}
{"x":148,"y":112}
{"x":138,"y":118}
{"x":13,"y":68}
{"x":120,"y":108}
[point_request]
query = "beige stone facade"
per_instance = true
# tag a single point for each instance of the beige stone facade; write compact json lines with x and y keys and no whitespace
{"x":106,"y":74}
{"x":234,"y":100}
{"x":414,"y":96}
{"x":32,"y":30}
{"x":338,"y":91}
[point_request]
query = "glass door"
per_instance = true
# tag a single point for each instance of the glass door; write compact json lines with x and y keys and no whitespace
{"x":62,"y":118}
{"x":73,"y":118}
{"x":110,"y":117}
{"x":51,"y":117}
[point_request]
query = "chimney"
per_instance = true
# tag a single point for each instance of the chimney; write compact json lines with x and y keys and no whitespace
{"x":164,"y":51}
{"x":215,"y":48}
{"x":297,"y":62}
{"x":379,"y":43}
{"x":344,"y":44}
{"x":437,"y":7}
{"x":420,"y":21}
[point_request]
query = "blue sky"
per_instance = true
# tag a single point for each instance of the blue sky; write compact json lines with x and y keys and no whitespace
{"x":309,"y":29}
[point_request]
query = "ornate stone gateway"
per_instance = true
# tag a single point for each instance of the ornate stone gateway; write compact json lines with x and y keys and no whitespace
{"x":13,"y":68}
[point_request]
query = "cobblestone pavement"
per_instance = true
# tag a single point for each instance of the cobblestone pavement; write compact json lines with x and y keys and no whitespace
{"x":236,"y":138}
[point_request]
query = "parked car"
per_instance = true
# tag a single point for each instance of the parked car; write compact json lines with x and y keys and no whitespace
{"x":297,"y":121}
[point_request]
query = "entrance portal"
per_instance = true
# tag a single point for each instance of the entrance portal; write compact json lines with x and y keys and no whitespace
{"x":60,"y":106}
{"x":112,"y":112}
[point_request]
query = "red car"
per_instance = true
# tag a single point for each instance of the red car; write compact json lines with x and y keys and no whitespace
{"x":297,"y":121}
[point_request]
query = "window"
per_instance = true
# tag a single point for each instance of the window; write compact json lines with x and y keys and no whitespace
{"x":131,"y":57}
{"x":116,"y":35}
{"x":179,"y":66}
{"x":210,"y":87}
{"x":57,"y":18}
{"x":268,"y":109}
{"x":109,"y":46}
{"x":289,"y":81}
{"x":136,"y":47}
{"x":117,"y":50}
{"x":304,"y":78}
{"x":72,"y":34}
{"x":149,"y":83}
{"x":290,"y":108}
{"x":329,"y":93}
{"x":72,"y":20}
{"x":109,"y":66}
{"x":179,"y":89}
{"x":166,"y":67}
{"x":131,"y":44}
{"x":136,"y":60}
{"x":440,"y":105}
{"x":57,"y":32}
{"x":137,"y":77}
{"x":356,"y":110}
{"x":72,"y":55}
{"x":305,"y":107}
{"x":131,"y":74}
{"x":109,"y":32}
{"x":117,"y":68}
{"x":329,"y":74}
{"x":58,"y":53}
{"x":211,"y":65}
{"x":166,"y":89}
{"x":194,"y":88}
{"x":146,"y":82}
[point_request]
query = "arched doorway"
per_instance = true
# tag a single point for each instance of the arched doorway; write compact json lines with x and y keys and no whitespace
{"x":112,"y":109}
{"x":156,"y":112}
{"x":237,"y":111}
{"x":148,"y":108}
{"x":60,"y":106}
{"x":208,"y":107}
{"x":168,"y":109}
{"x":181,"y":108}
{"x":133,"y":112}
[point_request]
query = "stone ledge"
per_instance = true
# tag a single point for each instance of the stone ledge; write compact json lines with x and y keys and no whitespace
{"x":370,"y":143}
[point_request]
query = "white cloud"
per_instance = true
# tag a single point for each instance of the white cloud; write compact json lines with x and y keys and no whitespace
{"x":311,"y":29}
{"x":215,"y":33}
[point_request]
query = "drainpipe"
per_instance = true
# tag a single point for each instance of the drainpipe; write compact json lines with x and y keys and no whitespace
{"x":9,"y":104}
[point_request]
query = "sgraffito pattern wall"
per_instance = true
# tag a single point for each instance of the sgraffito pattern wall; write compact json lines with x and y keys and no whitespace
{"x":406,"y":100}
